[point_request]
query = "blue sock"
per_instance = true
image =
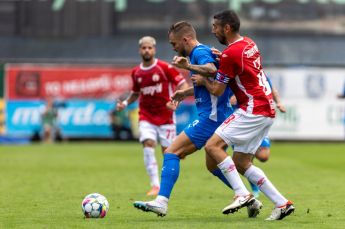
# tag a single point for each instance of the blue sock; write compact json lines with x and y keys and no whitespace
{"x":170,"y":173}
{"x":255,"y":189}
{"x":218,"y":173}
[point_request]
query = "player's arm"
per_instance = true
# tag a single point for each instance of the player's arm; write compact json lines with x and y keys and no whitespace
{"x":133,"y":96}
{"x":180,"y":95}
{"x":276,"y":98}
{"x":183,"y":86}
{"x":207,"y":70}
{"x":341,"y":95}
{"x":173,"y":103}
{"x":214,"y":87}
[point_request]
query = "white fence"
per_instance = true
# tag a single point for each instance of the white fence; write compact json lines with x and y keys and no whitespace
{"x":310,"y":95}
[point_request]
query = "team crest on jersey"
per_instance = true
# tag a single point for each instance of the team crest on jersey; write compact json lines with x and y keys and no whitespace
{"x":155,"y":77}
{"x":139,"y":80}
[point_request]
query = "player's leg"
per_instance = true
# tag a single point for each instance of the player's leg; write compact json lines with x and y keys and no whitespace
{"x":242,"y":158}
{"x":47,"y":133}
{"x":213,"y":168}
{"x":148,"y":137}
{"x":180,"y":147}
{"x":215,"y":147}
{"x":151,"y":166}
{"x":253,"y":208}
{"x":262,"y":154}
{"x":192,"y":138}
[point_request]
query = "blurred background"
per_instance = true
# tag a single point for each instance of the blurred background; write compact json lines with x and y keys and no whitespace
{"x":77,"y":55}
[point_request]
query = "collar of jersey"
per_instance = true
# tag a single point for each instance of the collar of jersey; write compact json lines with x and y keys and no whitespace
{"x":149,"y":67}
{"x":196,"y":46}
{"x":239,"y":39}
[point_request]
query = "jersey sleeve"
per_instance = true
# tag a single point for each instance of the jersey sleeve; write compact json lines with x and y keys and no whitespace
{"x":135,"y":87}
{"x":228,"y":67}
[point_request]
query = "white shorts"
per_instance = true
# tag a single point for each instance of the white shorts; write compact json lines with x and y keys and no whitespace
{"x":244,"y":132}
{"x":164,"y":133}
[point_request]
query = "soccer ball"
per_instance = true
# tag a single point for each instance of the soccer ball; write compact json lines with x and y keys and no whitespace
{"x":95,"y":205}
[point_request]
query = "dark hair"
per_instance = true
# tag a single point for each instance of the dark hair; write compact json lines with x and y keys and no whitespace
{"x":182,"y":27}
{"x":229,"y":17}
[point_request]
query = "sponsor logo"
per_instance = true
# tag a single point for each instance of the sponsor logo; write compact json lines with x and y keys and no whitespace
{"x":251,"y":52}
{"x":151,"y":90}
{"x":155,"y":77}
{"x":28,"y":84}
{"x":198,"y":100}
{"x":77,"y":116}
{"x":231,"y":168}
{"x":261,"y":181}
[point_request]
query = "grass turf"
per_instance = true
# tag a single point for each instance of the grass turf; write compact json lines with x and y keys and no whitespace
{"x":42,"y":186}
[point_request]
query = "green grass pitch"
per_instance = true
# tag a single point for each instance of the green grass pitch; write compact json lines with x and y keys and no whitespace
{"x":42,"y":186}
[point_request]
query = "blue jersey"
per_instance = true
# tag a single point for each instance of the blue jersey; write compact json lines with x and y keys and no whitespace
{"x":215,"y":108}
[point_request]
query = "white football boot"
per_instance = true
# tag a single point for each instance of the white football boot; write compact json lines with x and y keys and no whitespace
{"x":239,"y":202}
{"x":281,"y":212}
{"x":154,"y":206}
{"x":254,"y":208}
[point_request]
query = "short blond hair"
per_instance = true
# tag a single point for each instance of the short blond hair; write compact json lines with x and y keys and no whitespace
{"x":147,"y":39}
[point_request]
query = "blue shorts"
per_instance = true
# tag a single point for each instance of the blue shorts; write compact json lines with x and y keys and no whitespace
{"x":200,"y":130}
{"x":266,"y":142}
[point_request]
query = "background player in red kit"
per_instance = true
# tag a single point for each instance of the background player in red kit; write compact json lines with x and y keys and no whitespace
{"x":240,"y":68}
{"x":153,"y":83}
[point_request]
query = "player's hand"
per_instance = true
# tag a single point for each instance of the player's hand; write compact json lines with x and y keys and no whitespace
{"x":216,"y":52}
{"x":180,"y":62}
{"x":172,"y":105}
{"x":120,"y":105}
{"x":281,"y":107}
{"x":233,"y":100}
{"x":178,"y":96}
{"x":198,"y":80}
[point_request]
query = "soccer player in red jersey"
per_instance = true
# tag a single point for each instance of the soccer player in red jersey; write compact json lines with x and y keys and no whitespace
{"x":154,"y":82}
{"x":240,"y":68}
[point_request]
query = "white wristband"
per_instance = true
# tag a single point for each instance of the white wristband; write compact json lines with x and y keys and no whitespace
{"x":125,"y":102}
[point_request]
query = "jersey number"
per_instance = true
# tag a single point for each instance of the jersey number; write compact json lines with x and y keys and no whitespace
{"x":264,"y":83}
{"x":170,"y":134}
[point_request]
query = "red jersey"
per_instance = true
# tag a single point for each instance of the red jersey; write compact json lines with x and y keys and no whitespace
{"x":155,"y":85}
{"x":240,"y":67}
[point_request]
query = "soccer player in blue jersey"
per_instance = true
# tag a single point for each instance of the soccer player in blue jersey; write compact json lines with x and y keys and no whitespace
{"x":212,"y":111}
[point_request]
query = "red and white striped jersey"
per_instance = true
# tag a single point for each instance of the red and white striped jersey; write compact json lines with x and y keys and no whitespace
{"x":155,"y":84}
{"x":240,"y":67}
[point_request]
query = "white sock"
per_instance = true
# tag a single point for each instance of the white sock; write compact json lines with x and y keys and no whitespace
{"x":258,"y":177}
{"x":162,"y":200}
{"x":229,"y":170}
{"x":151,"y":165}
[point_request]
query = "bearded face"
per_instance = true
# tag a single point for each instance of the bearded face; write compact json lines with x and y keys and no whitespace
{"x":218,"y":31}
{"x":177,"y":45}
{"x":147,"y":52}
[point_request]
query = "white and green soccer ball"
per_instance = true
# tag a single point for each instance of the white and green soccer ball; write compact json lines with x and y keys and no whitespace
{"x":95,"y":205}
